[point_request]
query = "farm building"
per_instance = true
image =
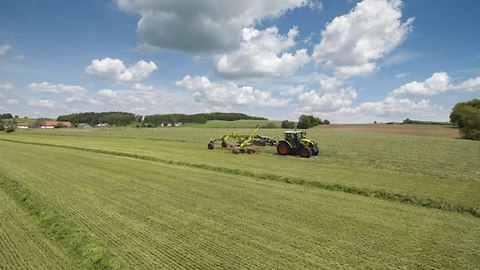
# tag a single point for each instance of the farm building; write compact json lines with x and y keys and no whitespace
{"x":23,"y":125}
{"x":83,"y":125}
{"x":53,"y":124}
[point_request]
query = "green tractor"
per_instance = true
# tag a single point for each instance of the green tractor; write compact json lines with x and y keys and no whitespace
{"x":296,"y":143}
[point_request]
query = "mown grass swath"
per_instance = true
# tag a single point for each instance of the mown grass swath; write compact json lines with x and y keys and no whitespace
{"x":85,"y":251}
{"x":22,"y":244}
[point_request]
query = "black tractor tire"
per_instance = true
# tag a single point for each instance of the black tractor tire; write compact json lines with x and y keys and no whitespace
{"x":306,"y":152}
{"x":283,"y":148}
{"x":210,"y":145}
{"x":315,"y":151}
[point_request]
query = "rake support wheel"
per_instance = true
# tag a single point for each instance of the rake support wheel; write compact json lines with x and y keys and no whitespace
{"x":210,"y":145}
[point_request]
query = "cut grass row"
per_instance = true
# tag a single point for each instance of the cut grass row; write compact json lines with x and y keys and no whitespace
{"x":22,"y":244}
{"x":78,"y":244}
{"x":156,"y":215}
{"x":333,"y":170}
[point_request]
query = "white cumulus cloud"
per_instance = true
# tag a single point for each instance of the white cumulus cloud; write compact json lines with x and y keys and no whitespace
{"x":45,"y":103}
{"x":12,"y":101}
{"x":115,"y":70}
{"x":4,"y":49}
{"x":327,"y":102}
{"x":137,"y":94}
{"x":47,"y":87}
{"x":394,"y":107}
{"x":262,"y":53}
{"x":389,"y":109}
{"x":207,"y":26}
{"x":84,"y":98}
{"x":290,"y":90}
{"x":352,"y":43}
{"x":439,"y":82}
{"x":6,"y":86}
{"x":315,"y":5}
{"x":469,"y":85}
{"x":227,"y":93}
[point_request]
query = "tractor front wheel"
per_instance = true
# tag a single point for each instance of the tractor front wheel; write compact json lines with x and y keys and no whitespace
{"x":305,"y":152}
{"x":283,"y":148}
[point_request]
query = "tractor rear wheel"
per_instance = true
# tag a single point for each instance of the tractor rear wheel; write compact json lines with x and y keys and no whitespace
{"x":305,"y":152}
{"x":283,"y":148}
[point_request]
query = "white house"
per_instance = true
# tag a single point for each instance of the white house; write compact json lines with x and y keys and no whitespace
{"x":23,"y":125}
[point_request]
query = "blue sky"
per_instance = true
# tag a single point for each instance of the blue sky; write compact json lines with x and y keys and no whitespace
{"x":346,"y":61}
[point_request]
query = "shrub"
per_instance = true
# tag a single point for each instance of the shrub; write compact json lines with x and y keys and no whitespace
{"x":10,"y":129}
{"x":466,"y":115}
{"x":270,"y":125}
{"x":308,"y":121}
{"x":288,"y":125}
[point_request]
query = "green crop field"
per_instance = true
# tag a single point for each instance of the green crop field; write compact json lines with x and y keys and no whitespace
{"x":138,"y":198}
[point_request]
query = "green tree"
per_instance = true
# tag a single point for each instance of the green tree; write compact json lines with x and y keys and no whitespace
{"x":6,"y":116}
{"x":288,"y":124}
{"x":466,"y":115}
{"x":308,"y":121}
{"x":304,"y":122}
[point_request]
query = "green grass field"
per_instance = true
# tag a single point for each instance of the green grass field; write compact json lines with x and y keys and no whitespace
{"x":157,"y":198}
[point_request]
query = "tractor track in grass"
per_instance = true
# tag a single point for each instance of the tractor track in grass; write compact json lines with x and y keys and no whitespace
{"x":374,"y":193}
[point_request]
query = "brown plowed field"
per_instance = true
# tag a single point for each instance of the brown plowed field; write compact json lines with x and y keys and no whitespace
{"x":417,"y":130}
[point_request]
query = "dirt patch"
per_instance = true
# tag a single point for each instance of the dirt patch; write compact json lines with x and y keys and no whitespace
{"x":417,"y":130}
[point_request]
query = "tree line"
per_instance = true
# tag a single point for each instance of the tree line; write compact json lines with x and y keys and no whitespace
{"x":409,"y":121}
{"x":124,"y":118}
{"x":6,"y":116}
{"x":200,"y":118}
{"x":93,"y":118}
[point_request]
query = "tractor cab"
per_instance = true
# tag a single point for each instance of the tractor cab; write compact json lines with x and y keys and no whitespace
{"x":293,"y":136}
